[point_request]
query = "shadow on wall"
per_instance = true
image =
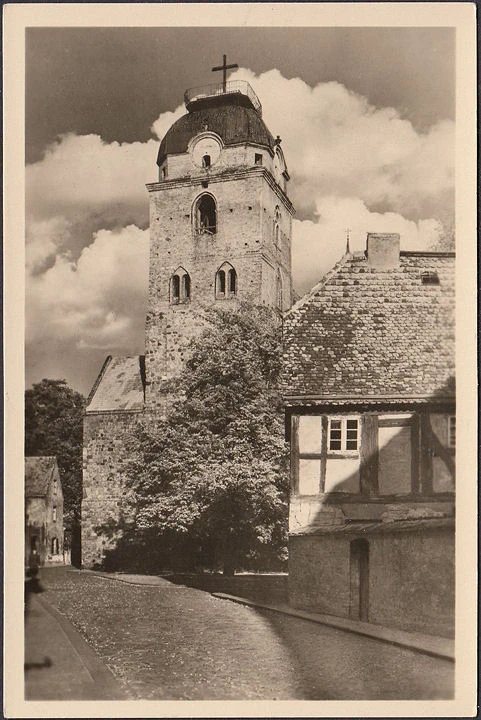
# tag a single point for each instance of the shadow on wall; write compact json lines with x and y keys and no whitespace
{"x":378,"y":544}
{"x":411,"y":457}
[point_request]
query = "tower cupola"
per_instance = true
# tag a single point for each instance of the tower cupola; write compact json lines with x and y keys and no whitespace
{"x":220,"y":221}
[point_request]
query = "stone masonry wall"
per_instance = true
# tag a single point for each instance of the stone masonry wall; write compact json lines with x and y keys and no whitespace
{"x":105,"y":453}
{"x":244,"y":201}
{"x":40,"y":522}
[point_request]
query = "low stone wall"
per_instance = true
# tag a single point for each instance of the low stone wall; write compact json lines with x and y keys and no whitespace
{"x":268,"y":588}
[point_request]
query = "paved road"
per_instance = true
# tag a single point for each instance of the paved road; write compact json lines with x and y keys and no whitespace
{"x":174,"y":642}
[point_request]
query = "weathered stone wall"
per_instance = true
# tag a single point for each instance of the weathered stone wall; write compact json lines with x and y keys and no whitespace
{"x":411,"y":578}
{"x":40,"y":522}
{"x":237,"y":156}
{"x":105,"y":452}
{"x":245,"y":210}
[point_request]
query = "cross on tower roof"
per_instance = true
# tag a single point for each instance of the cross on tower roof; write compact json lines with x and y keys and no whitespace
{"x":224,"y":67}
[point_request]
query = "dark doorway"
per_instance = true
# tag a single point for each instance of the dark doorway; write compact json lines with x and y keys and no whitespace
{"x":359,"y":559}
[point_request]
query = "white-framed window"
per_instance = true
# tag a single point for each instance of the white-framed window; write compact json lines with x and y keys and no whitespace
{"x":452,"y":431}
{"x":343,"y":435}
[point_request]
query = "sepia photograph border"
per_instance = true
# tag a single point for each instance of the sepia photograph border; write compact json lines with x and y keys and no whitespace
{"x":461,"y":16}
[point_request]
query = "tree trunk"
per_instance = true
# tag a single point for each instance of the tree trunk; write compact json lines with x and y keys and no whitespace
{"x":229,"y":565}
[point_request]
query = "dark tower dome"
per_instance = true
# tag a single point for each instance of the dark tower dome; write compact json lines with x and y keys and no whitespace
{"x":234,"y":115}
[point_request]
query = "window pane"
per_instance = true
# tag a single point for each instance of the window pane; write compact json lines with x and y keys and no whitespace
{"x":335,"y":445}
{"x":352,"y":434}
{"x":335,"y":434}
{"x":309,"y":477}
{"x":351,"y":445}
{"x":335,"y":423}
{"x":351,"y":424}
{"x":310,"y":434}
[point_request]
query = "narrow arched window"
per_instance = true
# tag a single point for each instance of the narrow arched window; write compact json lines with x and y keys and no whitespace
{"x":175,"y":289}
{"x":225,"y":282}
{"x":180,"y":287}
{"x":279,"y":292}
{"x":277,"y":222}
{"x":185,"y":289}
{"x":206,"y":161}
{"x":232,"y":283}
{"x":205,"y":215}
{"x":220,"y":284}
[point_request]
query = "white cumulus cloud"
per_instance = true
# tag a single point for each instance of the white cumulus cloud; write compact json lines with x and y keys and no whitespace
{"x":351,"y":165}
{"x":96,"y":301}
{"x":317,"y":246}
{"x":335,"y":142}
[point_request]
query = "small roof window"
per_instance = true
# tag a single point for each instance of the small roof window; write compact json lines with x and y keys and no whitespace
{"x":429,"y":277}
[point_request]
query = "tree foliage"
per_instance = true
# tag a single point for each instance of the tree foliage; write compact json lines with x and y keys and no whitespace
{"x":209,"y":482}
{"x":53,"y":426}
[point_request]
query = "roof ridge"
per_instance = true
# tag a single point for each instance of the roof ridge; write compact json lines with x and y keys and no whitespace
{"x":97,"y":381}
{"x":322,"y":282}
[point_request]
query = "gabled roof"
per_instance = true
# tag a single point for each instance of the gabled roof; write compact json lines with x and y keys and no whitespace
{"x":119,"y":386}
{"x":363,"y":332}
{"x":38,"y":473}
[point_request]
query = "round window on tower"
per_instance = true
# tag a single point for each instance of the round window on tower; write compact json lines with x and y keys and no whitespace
{"x":205,"y":150}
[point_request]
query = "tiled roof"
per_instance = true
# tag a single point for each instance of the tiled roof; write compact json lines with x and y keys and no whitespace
{"x":119,"y":387}
{"x":38,"y":472}
{"x":363,"y":332}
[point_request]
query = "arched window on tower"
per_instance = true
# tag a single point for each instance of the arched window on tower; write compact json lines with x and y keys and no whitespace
{"x":205,"y":215}
{"x":225,"y":282}
{"x":279,"y":291}
{"x":206,"y":161}
{"x":180,"y":287}
{"x":277,"y":231}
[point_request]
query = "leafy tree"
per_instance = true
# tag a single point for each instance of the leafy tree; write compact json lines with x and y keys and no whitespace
{"x":53,"y":426}
{"x":445,"y":241}
{"x":209,"y":483}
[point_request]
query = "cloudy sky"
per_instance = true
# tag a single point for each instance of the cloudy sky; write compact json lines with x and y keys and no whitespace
{"x":366,"y":117}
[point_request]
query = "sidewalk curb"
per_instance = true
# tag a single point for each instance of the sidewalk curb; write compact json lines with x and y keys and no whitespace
{"x":126,"y":578}
{"x":97,"y":669}
{"x":427,"y":644}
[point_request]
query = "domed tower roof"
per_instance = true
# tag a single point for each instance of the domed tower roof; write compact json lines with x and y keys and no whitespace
{"x":234,"y":113}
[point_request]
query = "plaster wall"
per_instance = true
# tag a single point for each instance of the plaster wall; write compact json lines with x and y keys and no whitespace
{"x":411,"y":578}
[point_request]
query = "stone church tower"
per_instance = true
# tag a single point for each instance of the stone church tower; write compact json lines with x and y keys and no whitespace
{"x":220,"y":231}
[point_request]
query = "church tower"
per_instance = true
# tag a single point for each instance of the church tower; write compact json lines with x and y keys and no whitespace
{"x":220,"y":222}
{"x":220,"y":232}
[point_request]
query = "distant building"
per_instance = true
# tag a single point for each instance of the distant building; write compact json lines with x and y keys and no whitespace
{"x":43,"y":511}
{"x":370,"y":408}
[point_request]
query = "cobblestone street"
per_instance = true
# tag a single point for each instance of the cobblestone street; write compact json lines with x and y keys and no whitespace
{"x":174,"y":642}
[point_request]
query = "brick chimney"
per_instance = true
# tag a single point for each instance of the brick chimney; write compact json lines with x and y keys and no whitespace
{"x":383,"y":250}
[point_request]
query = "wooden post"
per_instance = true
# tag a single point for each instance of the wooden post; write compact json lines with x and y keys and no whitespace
{"x":369,"y":455}
{"x":294,"y":454}
{"x":415,"y":453}
{"x":322,"y":479}
{"x":426,"y":455}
